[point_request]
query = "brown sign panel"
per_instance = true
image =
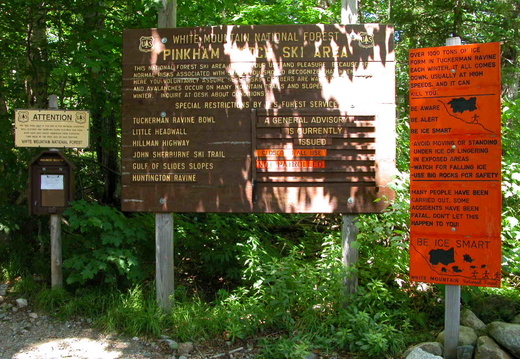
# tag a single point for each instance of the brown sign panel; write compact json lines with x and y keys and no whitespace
{"x":456,"y":165}
{"x":258,"y":119}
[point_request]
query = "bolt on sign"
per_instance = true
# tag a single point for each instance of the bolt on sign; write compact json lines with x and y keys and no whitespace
{"x":52,"y":128}
{"x":258,"y":119}
{"x":455,"y":165}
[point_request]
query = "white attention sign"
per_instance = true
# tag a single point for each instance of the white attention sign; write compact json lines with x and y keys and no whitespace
{"x":52,"y":182}
{"x":52,"y":128}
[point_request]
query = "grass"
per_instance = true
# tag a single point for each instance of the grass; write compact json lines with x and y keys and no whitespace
{"x":285,"y":323}
{"x":289,"y":306}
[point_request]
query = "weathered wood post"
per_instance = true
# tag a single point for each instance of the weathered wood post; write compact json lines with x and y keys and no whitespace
{"x":164,"y":278}
{"x":349,"y":12}
{"x":55,"y":223}
{"x":350,"y":252}
{"x":56,"y":256}
{"x":164,"y":228}
{"x":349,"y":231}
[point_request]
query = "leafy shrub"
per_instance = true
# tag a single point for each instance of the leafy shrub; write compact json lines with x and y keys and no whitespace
{"x":305,"y":301}
{"x":493,"y":307}
{"x":102,"y":244}
{"x":222,"y":251}
{"x":510,"y":218}
{"x":383,"y":238}
{"x":511,"y":189}
{"x":23,"y":242}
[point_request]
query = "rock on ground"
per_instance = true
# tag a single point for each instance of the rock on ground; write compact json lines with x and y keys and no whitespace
{"x":487,"y":348}
{"x":418,"y":353}
{"x":507,"y":335}
{"x":469,"y":319}
{"x":467,"y":336}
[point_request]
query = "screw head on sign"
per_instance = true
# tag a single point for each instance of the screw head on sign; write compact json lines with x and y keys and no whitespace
{"x":350,"y":200}
{"x":164,"y":40}
{"x":453,"y":229}
{"x":163,"y":114}
{"x":454,"y":147}
{"x":162,"y":200}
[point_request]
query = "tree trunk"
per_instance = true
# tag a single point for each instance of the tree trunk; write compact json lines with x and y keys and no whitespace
{"x":104,"y":125}
{"x":457,"y":18}
{"x":36,"y":86}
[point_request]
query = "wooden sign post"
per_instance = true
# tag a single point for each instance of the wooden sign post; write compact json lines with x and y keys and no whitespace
{"x":349,"y":231}
{"x":455,"y":168}
{"x":164,"y":224}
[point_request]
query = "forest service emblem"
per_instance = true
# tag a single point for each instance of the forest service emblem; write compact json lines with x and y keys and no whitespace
{"x":81,"y":117}
{"x":146,"y":44}
{"x":366,"y":41}
{"x":23,"y":116}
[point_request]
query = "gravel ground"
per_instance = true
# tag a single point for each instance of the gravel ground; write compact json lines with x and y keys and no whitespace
{"x":26,"y":334}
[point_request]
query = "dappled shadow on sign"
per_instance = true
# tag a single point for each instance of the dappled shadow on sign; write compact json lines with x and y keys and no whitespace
{"x":312,"y":85}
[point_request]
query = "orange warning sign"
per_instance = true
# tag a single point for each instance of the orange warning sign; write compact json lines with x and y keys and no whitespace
{"x":455,"y":260}
{"x":456,"y":158}
{"x":284,"y":165}
{"x":453,"y":208}
{"x":455,"y":165}
{"x":291,"y":153}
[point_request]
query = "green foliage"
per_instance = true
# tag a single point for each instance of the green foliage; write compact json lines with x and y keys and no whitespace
{"x":102,"y":244}
{"x":135,"y":313}
{"x":287,"y":12}
{"x":283,"y":348}
{"x":511,"y":190}
{"x":223,"y":250}
{"x":384,"y":236}
{"x":26,"y":286}
{"x":493,"y":304}
{"x":22,"y":245}
{"x":273,"y":276}
{"x":53,"y":300}
{"x":304,"y":302}
{"x":510,"y":219}
{"x":370,"y":334}
{"x":511,"y":130}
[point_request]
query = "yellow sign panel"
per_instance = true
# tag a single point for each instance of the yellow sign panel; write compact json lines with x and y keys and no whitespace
{"x":52,"y":128}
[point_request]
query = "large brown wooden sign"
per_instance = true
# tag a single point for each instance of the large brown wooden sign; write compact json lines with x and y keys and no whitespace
{"x":258,"y":119}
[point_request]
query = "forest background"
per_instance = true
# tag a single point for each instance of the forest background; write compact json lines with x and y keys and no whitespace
{"x":277,"y":278}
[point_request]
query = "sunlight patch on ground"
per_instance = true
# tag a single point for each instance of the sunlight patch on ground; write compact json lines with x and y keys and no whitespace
{"x":77,"y":348}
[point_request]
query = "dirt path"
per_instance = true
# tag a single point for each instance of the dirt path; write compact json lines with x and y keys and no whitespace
{"x":25,"y":334}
